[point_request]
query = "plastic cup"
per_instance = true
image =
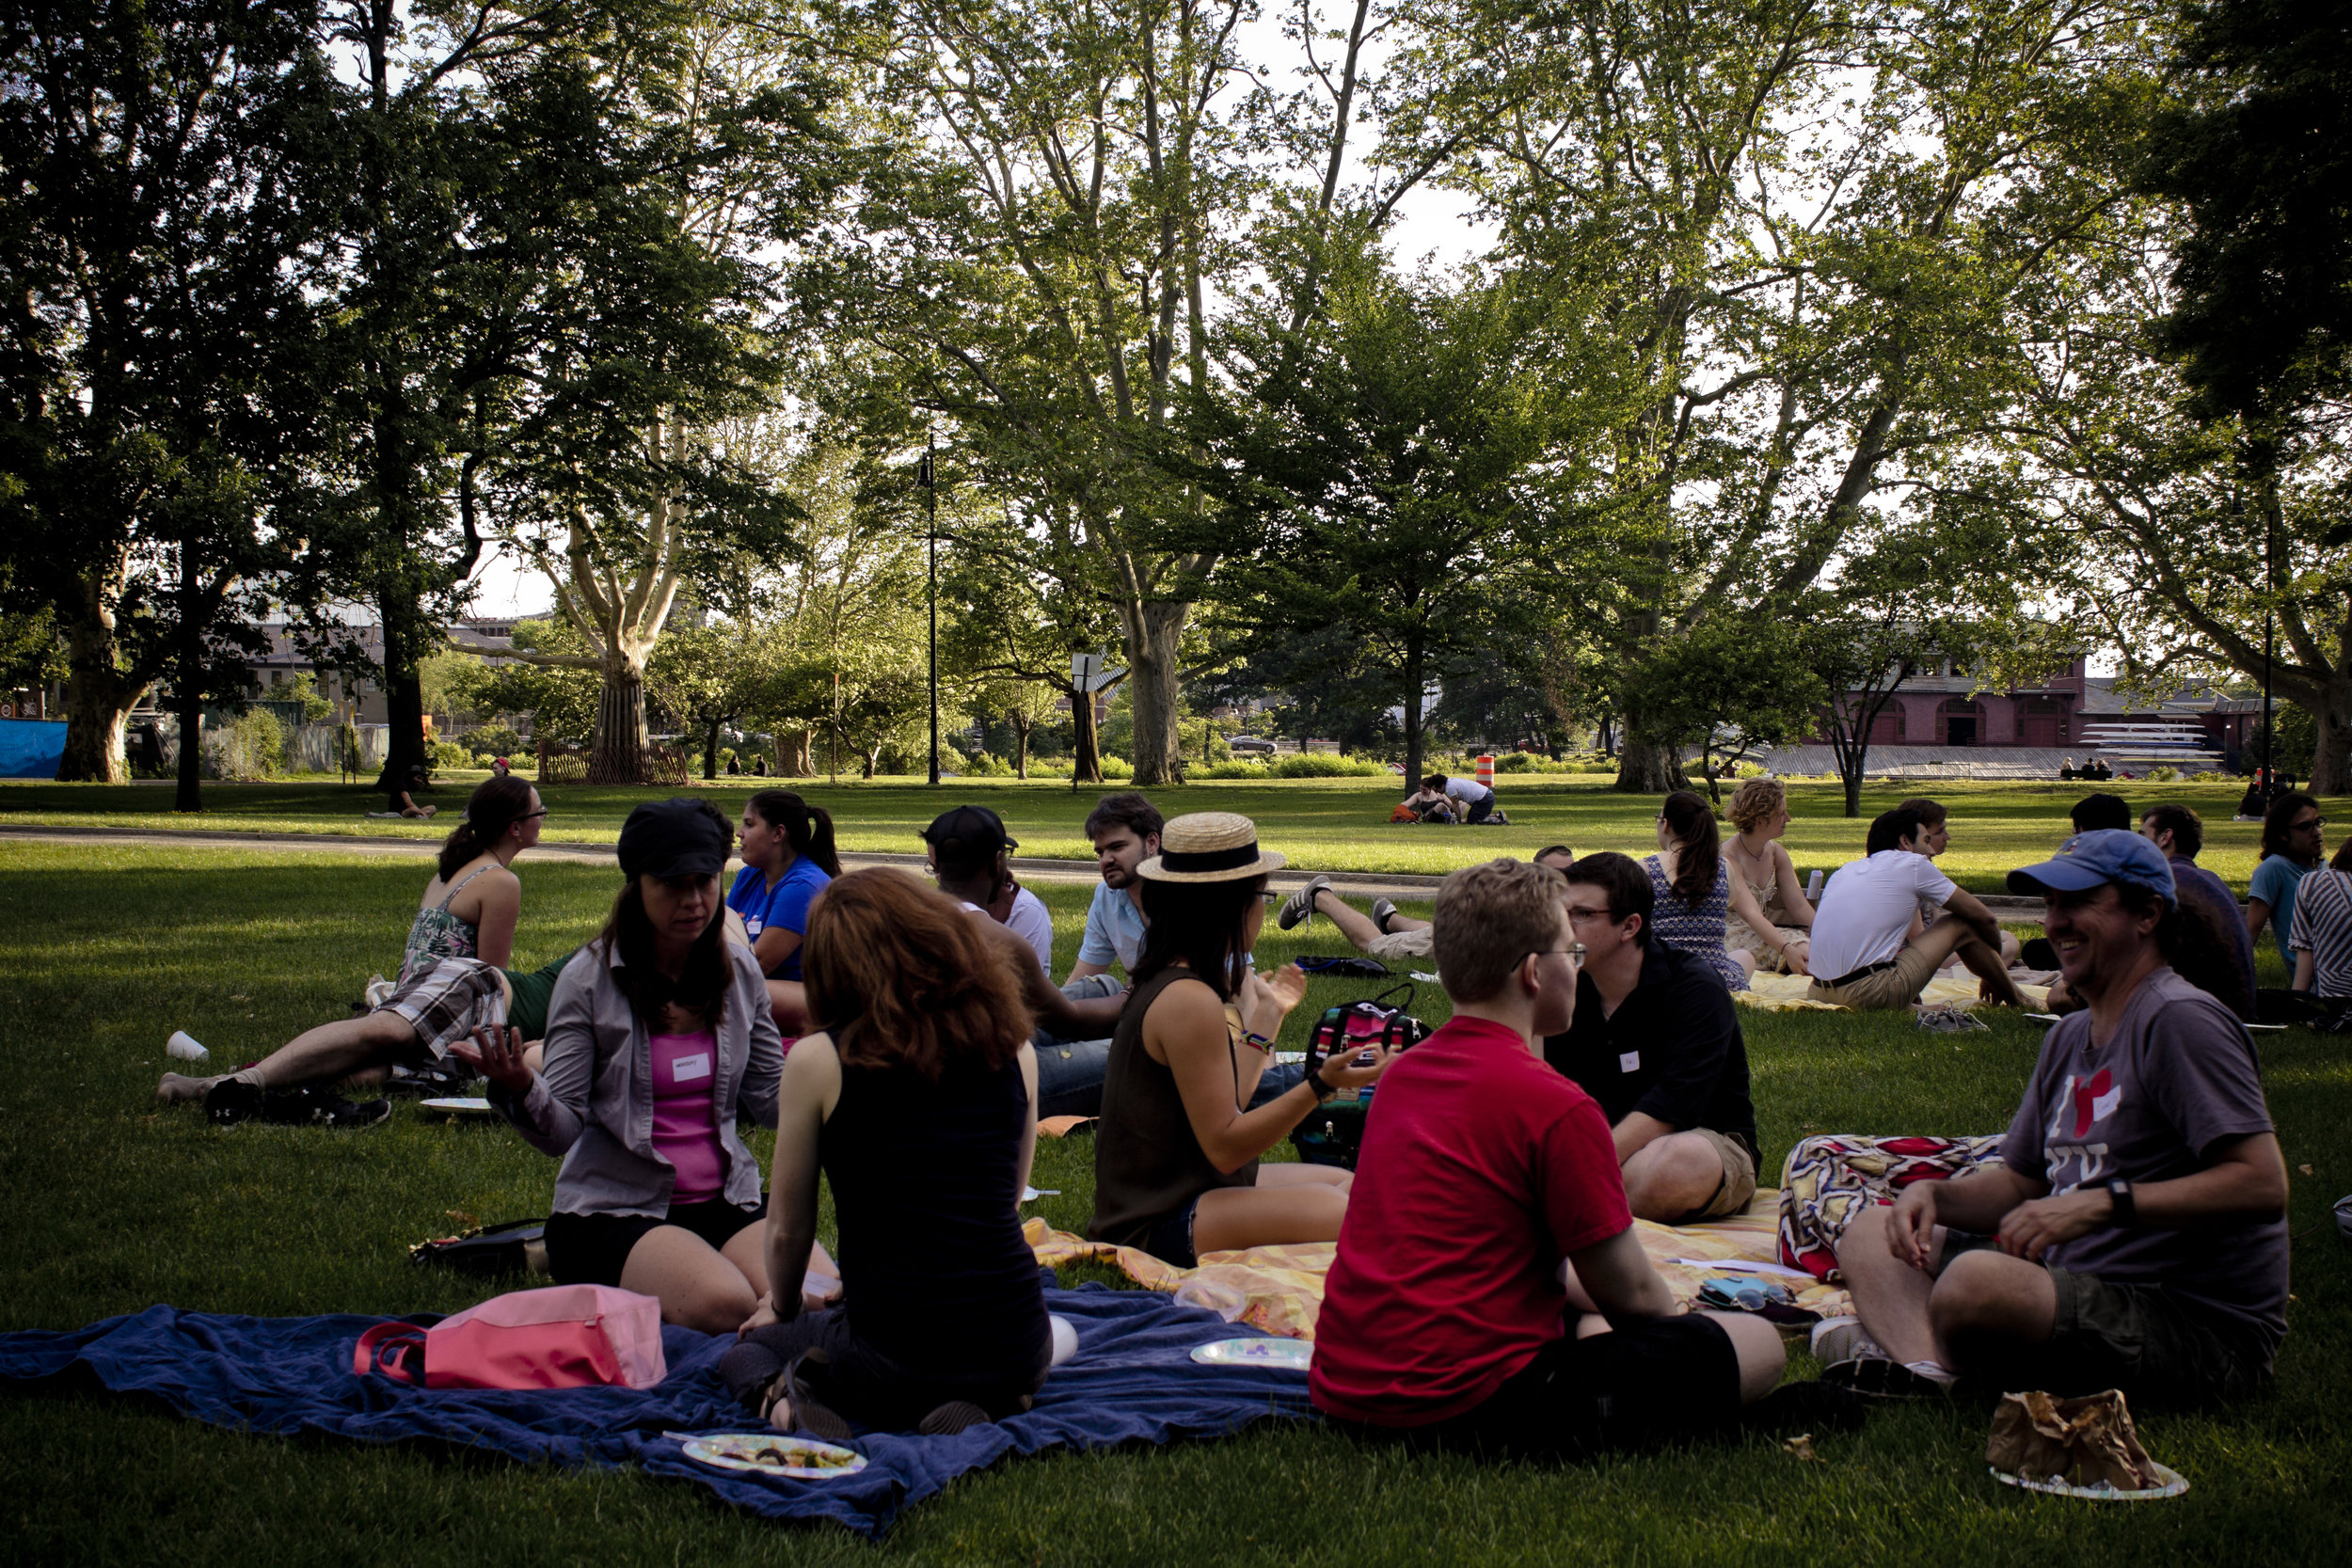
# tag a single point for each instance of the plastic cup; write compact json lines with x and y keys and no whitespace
{"x":185,"y":1048}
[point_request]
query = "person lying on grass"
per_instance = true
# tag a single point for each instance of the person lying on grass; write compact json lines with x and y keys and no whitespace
{"x":453,"y":978}
{"x":1176,"y":1169}
{"x":2133,"y":1235}
{"x":1489,"y":1291}
{"x":917,"y":1101}
{"x":1656,"y":1044}
{"x":659,"y":1038}
{"x":1384,"y":934}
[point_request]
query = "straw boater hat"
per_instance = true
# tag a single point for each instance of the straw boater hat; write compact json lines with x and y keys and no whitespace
{"x":1209,"y":847}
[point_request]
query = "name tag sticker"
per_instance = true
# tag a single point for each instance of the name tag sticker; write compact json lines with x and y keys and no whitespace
{"x":1629,"y":1061}
{"x":686,"y":1067}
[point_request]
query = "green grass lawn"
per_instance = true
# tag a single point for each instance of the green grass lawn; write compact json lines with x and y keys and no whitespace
{"x":108,"y":949}
{"x":1322,"y":824}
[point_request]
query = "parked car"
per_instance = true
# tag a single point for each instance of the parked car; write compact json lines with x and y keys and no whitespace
{"x":1249,"y":745}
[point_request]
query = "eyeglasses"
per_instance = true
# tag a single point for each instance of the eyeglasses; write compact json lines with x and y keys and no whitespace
{"x":528,"y":815}
{"x":2314,"y":825}
{"x":1574,"y":952}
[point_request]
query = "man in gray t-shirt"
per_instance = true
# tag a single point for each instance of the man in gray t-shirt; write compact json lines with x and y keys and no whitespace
{"x":2135,"y":1233}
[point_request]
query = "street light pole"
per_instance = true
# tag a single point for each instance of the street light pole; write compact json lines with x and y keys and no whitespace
{"x":930,"y":493}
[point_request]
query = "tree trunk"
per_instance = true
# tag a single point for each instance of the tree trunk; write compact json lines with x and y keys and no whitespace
{"x":711,"y":751}
{"x":2331,"y":754}
{"x":404,"y":690}
{"x":617,"y":753}
{"x":1646,"y":770}
{"x":1413,"y":677}
{"x":793,"y":758}
{"x":1085,"y":762}
{"x":1151,"y":631}
{"x":188,"y":703}
{"x":1020,"y":744}
{"x":98,"y":697}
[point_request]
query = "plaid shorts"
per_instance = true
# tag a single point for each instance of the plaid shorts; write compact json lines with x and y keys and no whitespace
{"x":447,"y":999}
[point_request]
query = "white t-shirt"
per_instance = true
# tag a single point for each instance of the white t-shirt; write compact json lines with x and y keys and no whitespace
{"x":1868,"y":907}
{"x":1030,"y":922}
{"x":1469,"y":791}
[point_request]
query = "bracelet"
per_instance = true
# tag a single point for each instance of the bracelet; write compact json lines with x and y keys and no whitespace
{"x":1251,"y":1038}
{"x":1318,"y":1086}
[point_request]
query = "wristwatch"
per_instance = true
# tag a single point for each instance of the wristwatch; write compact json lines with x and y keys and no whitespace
{"x":2126,"y":1214}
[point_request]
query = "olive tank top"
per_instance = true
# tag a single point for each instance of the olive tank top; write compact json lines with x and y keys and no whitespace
{"x":1147,"y":1163}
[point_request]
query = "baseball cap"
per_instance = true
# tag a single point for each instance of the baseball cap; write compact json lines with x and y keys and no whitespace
{"x":969,"y":833}
{"x":677,"y":837}
{"x":2103,"y":855}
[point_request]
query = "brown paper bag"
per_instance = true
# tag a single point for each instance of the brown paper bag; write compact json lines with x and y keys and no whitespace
{"x":2081,"y":1442}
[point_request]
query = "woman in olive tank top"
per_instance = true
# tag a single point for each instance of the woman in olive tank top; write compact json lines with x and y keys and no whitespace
{"x":1176,"y":1167}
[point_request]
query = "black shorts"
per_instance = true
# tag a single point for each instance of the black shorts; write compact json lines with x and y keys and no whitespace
{"x":1170,"y":1239}
{"x":1659,"y":1379}
{"x":592,"y":1249}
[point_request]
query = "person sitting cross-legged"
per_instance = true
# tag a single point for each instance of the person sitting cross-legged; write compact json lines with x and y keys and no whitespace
{"x":2133,"y":1235}
{"x":1489,"y":1292}
{"x":1384,"y":934}
{"x":1656,"y":1045}
{"x":1870,"y":948}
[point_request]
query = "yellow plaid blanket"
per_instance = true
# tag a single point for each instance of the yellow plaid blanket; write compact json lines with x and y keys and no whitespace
{"x":1279,"y":1289}
{"x":1785,"y":993}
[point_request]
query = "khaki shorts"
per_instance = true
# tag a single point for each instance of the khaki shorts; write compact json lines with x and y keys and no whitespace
{"x":447,"y":999}
{"x":1898,"y":987}
{"x":1738,"y":1182}
{"x":1401,"y":944}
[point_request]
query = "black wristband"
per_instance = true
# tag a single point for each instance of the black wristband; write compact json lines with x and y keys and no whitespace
{"x":1318,"y":1086}
{"x":2126,"y":1214}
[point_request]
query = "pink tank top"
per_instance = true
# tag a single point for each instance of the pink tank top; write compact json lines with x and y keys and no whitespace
{"x":685,"y":1123}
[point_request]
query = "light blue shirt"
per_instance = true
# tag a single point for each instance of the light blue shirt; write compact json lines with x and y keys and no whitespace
{"x":2275,"y":881}
{"x":1114,"y":930}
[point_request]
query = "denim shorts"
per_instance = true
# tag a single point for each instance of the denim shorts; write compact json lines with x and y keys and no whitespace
{"x":1170,"y":1239}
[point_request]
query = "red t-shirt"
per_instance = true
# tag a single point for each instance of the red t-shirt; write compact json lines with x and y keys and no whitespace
{"x":1481,"y":1169}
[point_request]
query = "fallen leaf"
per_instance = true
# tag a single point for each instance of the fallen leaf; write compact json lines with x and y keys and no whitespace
{"x":1801,"y":1447}
{"x":2305,"y":1169}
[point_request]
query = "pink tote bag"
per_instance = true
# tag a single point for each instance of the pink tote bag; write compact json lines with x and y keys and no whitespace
{"x":562,"y":1336}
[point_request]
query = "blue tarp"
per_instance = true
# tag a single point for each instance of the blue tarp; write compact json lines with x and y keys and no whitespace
{"x":1134,"y":1380}
{"x":30,"y":747}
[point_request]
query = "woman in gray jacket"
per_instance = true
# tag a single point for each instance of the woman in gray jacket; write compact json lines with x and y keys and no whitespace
{"x":658,"y":1040}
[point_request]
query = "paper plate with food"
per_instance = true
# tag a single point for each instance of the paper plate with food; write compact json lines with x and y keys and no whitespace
{"x":774,"y":1454}
{"x":1256,"y":1353}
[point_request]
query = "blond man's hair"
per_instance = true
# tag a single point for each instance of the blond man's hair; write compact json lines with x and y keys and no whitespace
{"x":1755,"y":801}
{"x":1488,"y":918}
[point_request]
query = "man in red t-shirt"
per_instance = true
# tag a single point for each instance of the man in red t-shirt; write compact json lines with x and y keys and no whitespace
{"x":1446,"y":1315}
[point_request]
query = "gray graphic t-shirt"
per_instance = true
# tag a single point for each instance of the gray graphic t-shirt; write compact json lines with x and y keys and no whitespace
{"x":2178,"y":1077}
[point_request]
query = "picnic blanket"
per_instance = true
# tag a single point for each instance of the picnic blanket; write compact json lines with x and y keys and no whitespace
{"x":1279,"y":1289}
{"x":1833,"y":1176}
{"x":1133,"y":1380}
{"x":1786,"y":993}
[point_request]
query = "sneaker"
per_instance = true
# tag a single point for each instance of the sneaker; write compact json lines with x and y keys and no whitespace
{"x":951,"y":1417}
{"x":1881,"y":1378}
{"x":233,"y":1099}
{"x":805,"y":1412}
{"x":1835,"y":1339}
{"x":1300,"y":906}
{"x":347,"y":1115}
{"x":1381,"y":910}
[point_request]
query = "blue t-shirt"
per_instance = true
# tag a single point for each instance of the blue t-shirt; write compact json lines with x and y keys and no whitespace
{"x":1114,"y":930}
{"x":2275,"y":881}
{"x":785,"y":906}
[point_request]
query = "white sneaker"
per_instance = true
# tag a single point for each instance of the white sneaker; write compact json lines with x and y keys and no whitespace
{"x":1835,"y":1339}
{"x":379,"y":991}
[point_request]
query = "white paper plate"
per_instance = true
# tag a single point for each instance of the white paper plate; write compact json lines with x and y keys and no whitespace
{"x":2039,"y":1017}
{"x":772,"y":1453}
{"x":460,"y":1105}
{"x":1295,"y":1353}
{"x":2170,"y":1484}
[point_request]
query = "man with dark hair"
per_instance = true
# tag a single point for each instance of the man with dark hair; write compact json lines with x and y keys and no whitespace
{"x":1656,"y":1043}
{"x":1935,"y":837}
{"x":968,"y":847}
{"x":1478,"y":800}
{"x":1486,"y":1220}
{"x":2094,"y":812}
{"x":2133,"y":1235}
{"x":1871,"y":949}
{"x":2181,"y":833}
{"x":1125,"y":830}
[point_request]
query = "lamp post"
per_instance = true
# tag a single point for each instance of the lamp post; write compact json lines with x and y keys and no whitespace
{"x":930,"y":497}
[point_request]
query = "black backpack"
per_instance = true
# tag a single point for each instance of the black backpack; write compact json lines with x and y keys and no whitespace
{"x":1333,"y":1133}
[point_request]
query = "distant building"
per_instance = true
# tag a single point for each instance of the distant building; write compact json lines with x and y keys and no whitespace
{"x":285,"y":661}
{"x":1941,"y":707}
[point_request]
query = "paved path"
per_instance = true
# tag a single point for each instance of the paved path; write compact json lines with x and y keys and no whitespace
{"x":1355,"y":884}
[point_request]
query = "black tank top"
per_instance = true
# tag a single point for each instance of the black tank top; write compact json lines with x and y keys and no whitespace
{"x":1147,"y":1163}
{"x":926,"y":1193}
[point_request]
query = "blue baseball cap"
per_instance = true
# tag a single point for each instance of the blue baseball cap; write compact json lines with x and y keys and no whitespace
{"x":2103,"y":855}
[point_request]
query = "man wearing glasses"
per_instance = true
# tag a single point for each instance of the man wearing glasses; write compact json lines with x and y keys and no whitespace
{"x":1656,"y":1043}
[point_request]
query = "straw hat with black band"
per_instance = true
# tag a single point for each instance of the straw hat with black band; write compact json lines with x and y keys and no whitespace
{"x":1209,"y":847}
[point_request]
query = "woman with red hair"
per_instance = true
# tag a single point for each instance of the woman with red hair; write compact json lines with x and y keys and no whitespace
{"x":916,"y":1096}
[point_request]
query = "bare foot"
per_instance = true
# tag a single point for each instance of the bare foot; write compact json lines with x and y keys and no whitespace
{"x":177,"y":1089}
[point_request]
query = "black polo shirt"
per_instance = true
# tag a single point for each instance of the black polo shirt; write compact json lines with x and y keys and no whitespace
{"x":1672,"y":1049}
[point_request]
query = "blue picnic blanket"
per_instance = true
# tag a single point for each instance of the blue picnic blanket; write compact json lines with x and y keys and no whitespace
{"x":1133,"y":1380}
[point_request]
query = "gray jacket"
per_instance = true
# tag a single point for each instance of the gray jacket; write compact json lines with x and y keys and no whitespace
{"x":592,"y":1101}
